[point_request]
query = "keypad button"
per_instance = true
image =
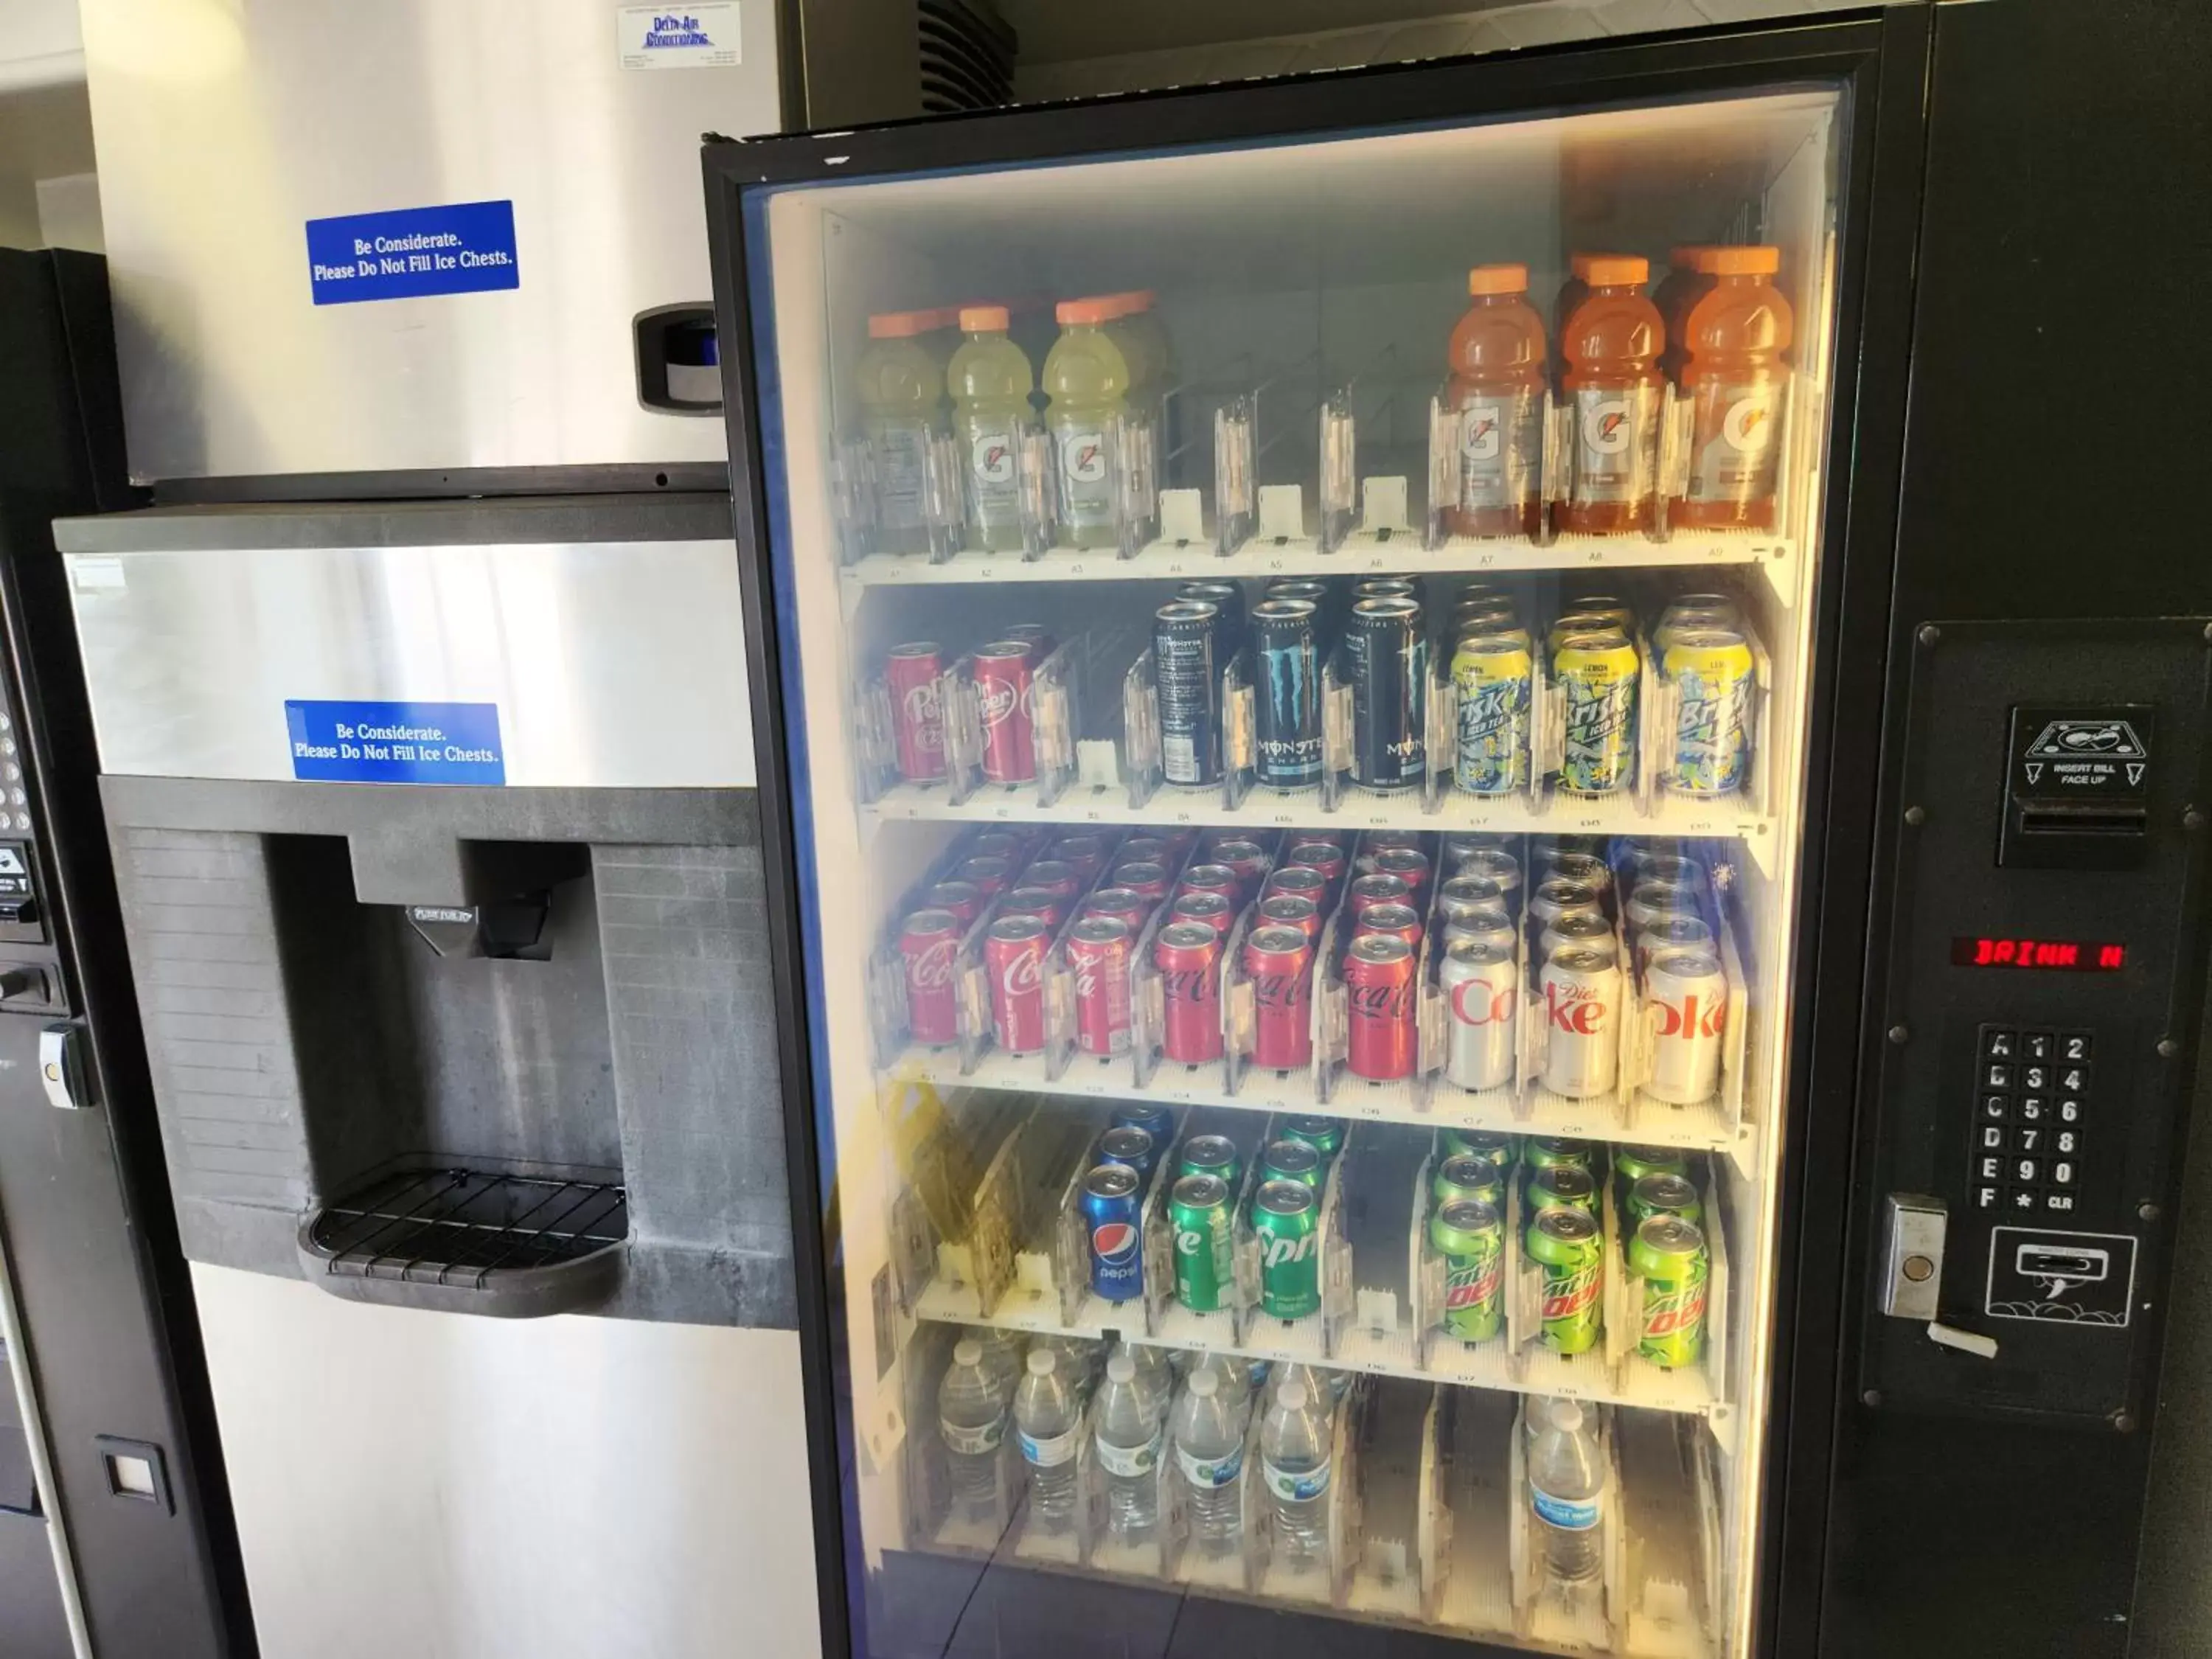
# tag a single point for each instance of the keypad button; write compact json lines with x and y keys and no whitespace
{"x":1989,"y":1169}
{"x":2030,"y":1111}
{"x":2070,"y":1111}
{"x":1995,"y":1108}
{"x":2022,"y":1198}
{"x":1998,"y":1044}
{"x":2038,"y":1045}
{"x":2028,"y":1137}
{"x":2026,"y":1171}
{"x":2035,"y":1078}
{"x":1996,"y":1075}
{"x":1985,"y":1198}
{"x":1993,"y":1137}
{"x":2063,"y":1172}
{"x":2066,"y":1142}
{"x":2075,"y":1046}
{"x":2061,"y":1202}
{"x":2074,"y":1079}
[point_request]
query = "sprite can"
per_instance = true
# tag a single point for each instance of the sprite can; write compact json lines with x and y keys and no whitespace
{"x":1205,"y":1269}
{"x":1714,"y":680}
{"x":1563,"y":1186}
{"x":1471,"y":1239}
{"x":1290,"y":1160}
{"x":1664,"y":1195}
{"x":1491,"y":676}
{"x":1464,"y":1177}
{"x":1324,"y":1134}
{"x":1668,"y":1255}
{"x":1597,"y":674}
{"x":1563,"y":1243}
{"x":1286,"y":1216}
{"x":1481,"y":1143}
{"x":1631,"y":1163}
{"x":1210,"y":1155}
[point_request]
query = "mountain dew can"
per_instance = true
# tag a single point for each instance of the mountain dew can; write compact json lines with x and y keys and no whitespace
{"x":1669,"y":1256}
{"x":1465,"y":1177}
{"x":1541,"y":1152}
{"x":1286,"y":1216}
{"x":1631,"y":1163}
{"x":1469,"y":1236}
{"x":1664,"y":1195}
{"x":1563,"y":1243}
{"x":1198,"y":1210}
{"x":1562,"y":1186}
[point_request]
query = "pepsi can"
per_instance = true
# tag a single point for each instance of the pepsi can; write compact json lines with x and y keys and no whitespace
{"x":1131,"y":1146}
{"x":1287,"y":694}
{"x":1113,"y":1213}
{"x":1157,"y":1122}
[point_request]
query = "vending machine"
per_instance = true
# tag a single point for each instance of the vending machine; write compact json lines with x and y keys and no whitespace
{"x":1487,"y":881}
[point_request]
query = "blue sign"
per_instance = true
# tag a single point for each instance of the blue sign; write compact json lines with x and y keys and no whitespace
{"x":396,"y":742}
{"x":464,"y":248}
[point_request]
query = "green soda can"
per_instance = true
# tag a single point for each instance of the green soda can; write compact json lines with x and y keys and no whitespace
{"x":1664,"y":1195}
{"x":1210,"y":1155}
{"x":1668,"y":1255}
{"x":1481,"y":1143}
{"x":1324,"y":1134}
{"x":1205,"y":1269}
{"x":1563,"y":1186}
{"x":1468,"y":1235}
{"x":1286,"y":1215}
{"x":1565,"y":1245}
{"x":1290,"y":1160}
{"x":1631,"y":1163}
{"x":1549,"y":1152}
{"x":1465,"y":1177}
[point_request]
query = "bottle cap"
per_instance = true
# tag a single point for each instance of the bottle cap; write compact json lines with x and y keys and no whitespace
{"x":1565,"y":1414}
{"x":1745,"y":261}
{"x":968,"y":1352}
{"x":1292,"y":1396}
{"x":1579,"y":264}
{"x":1130,"y":301}
{"x":1690,"y":255}
{"x":1092,"y":310}
{"x":1497,"y":279}
{"x":1042,"y":1360}
{"x":1121,"y":1369}
{"x":983,"y":320}
{"x":1205,"y":1383}
{"x":1619,"y":270}
{"x":898,"y":325}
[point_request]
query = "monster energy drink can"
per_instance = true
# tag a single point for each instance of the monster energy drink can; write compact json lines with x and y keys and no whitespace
{"x":1631,"y":1163}
{"x":1387,"y":655}
{"x":1491,"y":679}
{"x":1286,"y":1216}
{"x":1562,"y":1187}
{"x":1290,"y":1160}
{"x":1565,"y":1246}
{"x":1668,"y":1255}
{"x":1597,"y":678}
{"x":1210,"y":1155}
{"x":1469,"y":1236}
{"x":1324,"y":1134}
{"x":1664,"y":1195}
{"x":1204,"y":1271}
{"x":1286,"y":693}
{"x":1466,"y":1177}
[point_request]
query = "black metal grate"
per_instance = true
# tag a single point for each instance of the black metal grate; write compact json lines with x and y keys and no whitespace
{"x":457,"y":1226}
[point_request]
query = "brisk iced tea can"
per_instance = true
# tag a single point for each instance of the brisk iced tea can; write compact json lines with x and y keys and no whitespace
{"x":1286,"y":1216}
{"x":1214,"y":909}
{"x":1113,"y":1213}
{"x":1198,"y":1210}
{"x":1468,"y":1234}
{"x":1384,"y":1040}
{"x":1002,"y":690}
{"x":910,"y":676}
{"x":1013,"y":958}
{"x":1291,"y":910}
{"x":1279,"y":961}
{"x":1491,"y":678}
{"x":1597,"y":677}
{"x":1188,"y":957}
{"x":1563,"y":1243}
{"x":1099,"y":949}
{"x":1688,"y":995}
{"x":929,"y":943}
{"x":1582,"y":1015}
{"x":1715,"y":681}
{"x":1480,"y":986}
{"x":1668,"y":1255}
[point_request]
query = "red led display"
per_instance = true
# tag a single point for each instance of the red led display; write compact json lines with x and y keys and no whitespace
{"x":2076,"y":956}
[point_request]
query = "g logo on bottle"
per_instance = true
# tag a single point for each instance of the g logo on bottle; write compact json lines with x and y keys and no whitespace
{"x":1606,"y":426}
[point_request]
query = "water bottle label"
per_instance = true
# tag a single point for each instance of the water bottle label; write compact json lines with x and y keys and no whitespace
{"x":1210,"y":1471}
{"x":1295,"y":1486}
{"x":1129,"y":1461}
{"x":1052,"y":1451}
{"x":1567,"y":1514}
{"x":972,"y":1442}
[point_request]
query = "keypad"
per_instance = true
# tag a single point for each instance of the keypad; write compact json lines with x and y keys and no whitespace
{"x":2032,"y":1095}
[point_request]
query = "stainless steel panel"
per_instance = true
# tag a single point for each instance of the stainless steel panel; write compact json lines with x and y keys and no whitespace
{"x":613,"y":663}
{"x":223,"y":128}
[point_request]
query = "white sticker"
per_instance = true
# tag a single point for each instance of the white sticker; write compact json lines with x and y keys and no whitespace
{"x":678,"y":37}
{"x":92,"y":572}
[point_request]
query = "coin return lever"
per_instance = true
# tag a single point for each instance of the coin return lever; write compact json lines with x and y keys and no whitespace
{"x":1913,"y":1270}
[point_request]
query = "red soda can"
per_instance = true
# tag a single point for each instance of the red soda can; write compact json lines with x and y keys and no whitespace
{"x":1409,"y":864}
{"x":1013,"y":955}
{"x":1291,"y":910}
{"x":1216,"y":910}
{"x":1300,"y":879}
{"x":930,"y":942}
{"x":1055,"y":877}
{"x":1376,"y":843}
{"x":1324,"y":856}
{"x":1248,"y":859}
{"x":1174,"y":845}
{"x":1212,"y":878}
{"x":1125,"y":903}
{"x":1279,"y":961}
{"x":1002,"y":687}
{"x":1037,"y":636}
{"x":987,"y":873}
{"x":963,"y":898}
{"x":1047,"y":906}
{"x":995,"y":844}
{"x":1098,"y":955}
{"x":1336,"y":838}
{"x":1384,"y":1040}
{"x":910,"y":674}
{"x":1144,"y":849}
{"x":1087,"y":853}
{"x":1370,"y":890}
{"x":1188,"y":955}
{"x":1399,"y":920}
{"x":1150,"y":879}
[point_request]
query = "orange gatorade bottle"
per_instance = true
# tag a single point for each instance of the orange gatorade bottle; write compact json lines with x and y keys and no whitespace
{"x":1734,"y":376}
{"x":1572,"y":292}
{"x":1689,"y":275}
{"x":1497,"y":373}
{"x":1613,"y":386}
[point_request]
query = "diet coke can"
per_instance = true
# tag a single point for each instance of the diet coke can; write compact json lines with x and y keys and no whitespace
{"x":1216,"y":910}
{"x":1578,"y":865}
{"x":1463,"y":896}
{"x":1581,"y":1020}
{"x":1053,"y":877}
{"x":1291,"y":910}
{"x":1399,"y":920}
{"x":1570,"y":928}
{"x":929,"y":940}
{"x":1557,"y":894}
{"x":1150,"y":879}
{"x":1002,"y":687}
{"x":1368,"y":892}
{"x":1302,"y":879}
{"x":1125,"y":903}
{"x":1279,"y":961}
{"x":1212,"y":878}
{"x":1480,"y":984}
{"x":1654,"y":899}
{"x":1671,"y":933}
{"x":1672,"y":869}
{"x":986,"y":872}
{"x":1098,"y":955}
{"x":1047,"y":906}
{"x":1188,"y":955}
{"x":963,"y":898}
{"x":1493,"y":864}
{"x":910,"y":674}
{"x":1383,"y":1039}
{"x":1489,"y":924}
{"x":1688,"y":995}
{"x":1013,"y":956}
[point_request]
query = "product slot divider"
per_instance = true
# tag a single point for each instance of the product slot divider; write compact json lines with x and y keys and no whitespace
{"x":1433,"y":1534}
{"x":1478,"y":1478}
{"x":1665,"y":1610}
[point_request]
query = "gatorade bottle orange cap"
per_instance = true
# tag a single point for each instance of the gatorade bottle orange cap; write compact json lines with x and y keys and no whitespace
{"x":1690,"y":255}
{"x":1744,"y":261}
{"x":898,"y":325}
{"x":983,"y":320}
{"x":1497,"y":279}
{"x":1092,"y":310}
{"x":1617,"y":270}
{"x":942,"y":317}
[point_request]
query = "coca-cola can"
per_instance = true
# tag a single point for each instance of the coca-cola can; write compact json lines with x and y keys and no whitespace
{"x":1687,"y":991}
{"x":1002,"y":687}
{"x":1188,"y":955}
{"x":1098,"y":949}
{"x":929,"y":940}
{"x":1053,"y":876}
{"x":1370,"y":890}
{"x":1302,"y":879}
{"x":1572,"y":929}
{"x":1463,"y":896}
{"x":1279,"y":961}
{"x":1410,"y":864}
{"x":1479,"y":983}
{"x":1212,"y":878}
{"x":1582,"y":1018}
{"x":1291,"y":910}
{"x":1672,"y":933}
{"x":1150,"y":879}
{"x":1037,"y":636}
{"x":1324,"y":856}
{"x":1489,"y":924}
{"x":1087,"y":853}
{"x":1654,"y":899}
{"x":1124,"y":904}
{"x":963,"y":898}
{"x":1248,"y":859}
{"x":996,"y":844}
{"x":1047,"y":906}
{"x":1216,"y":910}
{"x":1144,"y":849}
{"x":987,"y":873}
{"x":1383,"y":1035}
{"x":1013,"y":956}
{"x":1399,"y":920}
{"x":1378,"y":841}
{"x":910,"y":675}
{"x":1555,"y":896}
{"x":1493,"y":864}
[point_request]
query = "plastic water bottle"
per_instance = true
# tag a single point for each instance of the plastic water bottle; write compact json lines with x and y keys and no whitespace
{"x":1080,"y":1360}
{"x":1316,"y":1379}
{"x":1227,"y":1367}
{"x":1002,"y":1358}
{"x":1566,"y":1495}
{"x":1049,"y":1421}
{"x":971,"y":1420}
{"x":1294,"y":1459}
{"x":1209,"y":1450}
{"x":1155,"y":1378}
{"x":1128,"y":1439}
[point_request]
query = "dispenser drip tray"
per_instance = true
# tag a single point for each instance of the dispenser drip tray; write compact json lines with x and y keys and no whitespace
{"x":448,"y":1234}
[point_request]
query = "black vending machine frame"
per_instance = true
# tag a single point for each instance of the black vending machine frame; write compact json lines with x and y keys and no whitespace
{"x":1880,"y":59}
